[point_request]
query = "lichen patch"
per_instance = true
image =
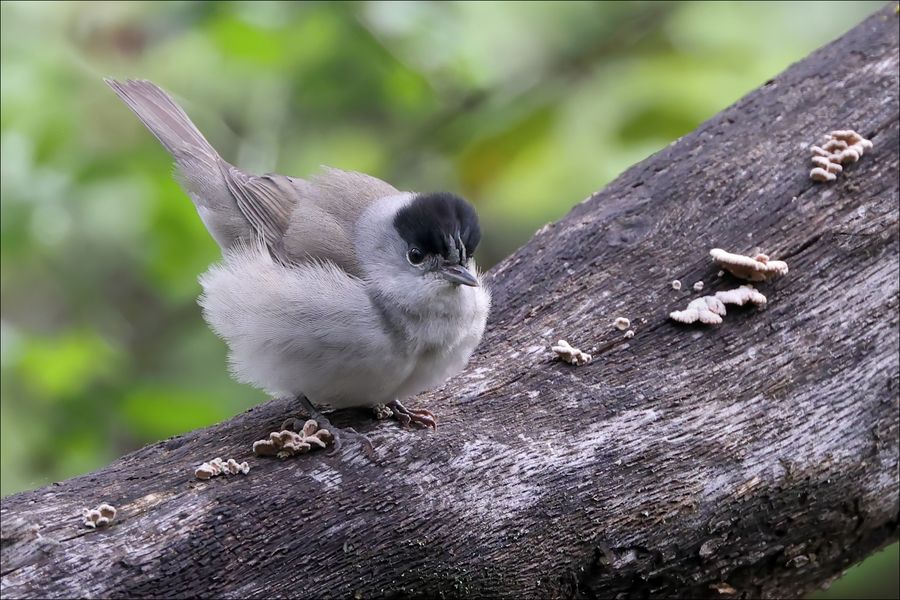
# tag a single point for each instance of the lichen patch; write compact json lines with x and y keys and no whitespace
{"x":287,"y":443}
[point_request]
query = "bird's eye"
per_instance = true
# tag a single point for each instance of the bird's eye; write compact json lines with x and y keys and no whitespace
{"x":415,"y":256}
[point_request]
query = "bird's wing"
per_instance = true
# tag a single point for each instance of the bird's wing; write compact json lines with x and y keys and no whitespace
{"x":303,"y":220}
{"x":322,"y":222}
{"x":266,"y":202}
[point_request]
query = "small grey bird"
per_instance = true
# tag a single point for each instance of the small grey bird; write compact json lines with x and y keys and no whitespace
{"x":339,"y":290}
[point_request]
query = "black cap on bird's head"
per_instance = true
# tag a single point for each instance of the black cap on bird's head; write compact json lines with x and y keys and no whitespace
{"x":441,"y":232}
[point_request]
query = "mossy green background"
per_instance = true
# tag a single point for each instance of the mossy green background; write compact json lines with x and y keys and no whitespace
{"x":523,"y":108}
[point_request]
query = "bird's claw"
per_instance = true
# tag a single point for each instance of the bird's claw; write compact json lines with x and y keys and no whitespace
{"x":364,"y":441}
{"x":406,"y":416}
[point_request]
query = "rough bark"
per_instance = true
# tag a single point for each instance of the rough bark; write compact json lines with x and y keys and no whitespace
{"x":758,"y":458}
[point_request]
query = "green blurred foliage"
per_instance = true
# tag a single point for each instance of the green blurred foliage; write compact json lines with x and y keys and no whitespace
{"x":524,"y":108}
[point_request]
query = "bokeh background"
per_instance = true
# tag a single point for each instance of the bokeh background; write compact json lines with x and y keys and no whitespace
{"x":523,"y":108}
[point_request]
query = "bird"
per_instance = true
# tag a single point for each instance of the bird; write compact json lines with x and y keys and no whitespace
{"x":337,"y":290}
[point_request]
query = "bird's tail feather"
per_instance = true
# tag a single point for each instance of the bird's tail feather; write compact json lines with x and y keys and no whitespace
{"x":166,"y":120}
{"x":201,"y":171}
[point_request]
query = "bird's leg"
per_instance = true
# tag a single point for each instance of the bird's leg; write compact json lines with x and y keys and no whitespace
{"x":312,"y":412}
{"x":416,"y":415}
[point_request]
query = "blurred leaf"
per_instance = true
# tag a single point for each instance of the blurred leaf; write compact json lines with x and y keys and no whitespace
{"x":156,"y":412}
{"x":180,"y":248}
{"x":655,"y":121}
{"x":875,"y":578}
{"x":66,"y":366}
{"x":240,"y":39}
{"x":481,"y":162}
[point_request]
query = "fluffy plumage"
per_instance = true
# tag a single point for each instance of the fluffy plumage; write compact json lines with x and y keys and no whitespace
{"x":315,"y":295}
{"x":312,"y":329}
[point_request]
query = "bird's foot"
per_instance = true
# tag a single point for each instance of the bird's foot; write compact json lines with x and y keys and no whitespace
{"x":295,"y":424}
{"x":406,"y":416}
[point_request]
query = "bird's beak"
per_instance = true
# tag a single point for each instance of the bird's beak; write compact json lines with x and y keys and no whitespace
{"x":458,"y":274}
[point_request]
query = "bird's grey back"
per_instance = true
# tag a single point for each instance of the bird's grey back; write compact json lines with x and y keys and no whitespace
{"x":299,"y":220}
{"x":321,"y":226}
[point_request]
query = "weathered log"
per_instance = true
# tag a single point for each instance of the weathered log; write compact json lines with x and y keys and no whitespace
{"x":757,"y":458}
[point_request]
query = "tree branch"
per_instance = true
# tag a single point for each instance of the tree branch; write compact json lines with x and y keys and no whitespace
{"x":756,"y":458}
